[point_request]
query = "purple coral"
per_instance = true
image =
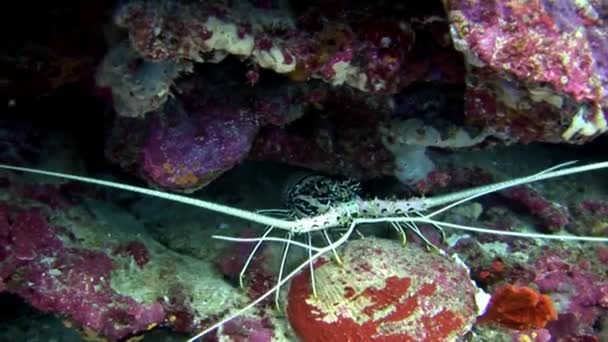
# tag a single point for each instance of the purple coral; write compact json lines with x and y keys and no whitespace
{"x":185,"y":151}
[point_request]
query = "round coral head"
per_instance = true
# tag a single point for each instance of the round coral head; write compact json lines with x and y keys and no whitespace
{"x":383,"y":292}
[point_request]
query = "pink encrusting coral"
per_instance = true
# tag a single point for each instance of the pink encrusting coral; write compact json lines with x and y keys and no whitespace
{"x":572,"y":279}
{"x":360,"y":89}
{"x":509,"y":84}
{"x":538,"y":69}
{"x":36,"y":265}
{"x":591,"y":218}
{"x":580,"y":292}
{"x":248,"y":329}
{"x":96,"y":270}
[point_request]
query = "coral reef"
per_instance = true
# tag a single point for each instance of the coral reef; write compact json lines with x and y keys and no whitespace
{"x":369,"y":55}
{"x":137,"y":85}
{"x":396,"y":70}
{"x":181,"y":92}
{"x":552,"y":216}
{"x":259,"y":277}
{"x":245,"y":329}
{"x":409,"y":139}
{"x":590,"y":218}
{"x":579,"y":292}
{"x":572,"y":278}
{"x":352,"y":49}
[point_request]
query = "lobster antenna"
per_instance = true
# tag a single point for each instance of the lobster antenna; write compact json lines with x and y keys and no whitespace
{"x":280,"y":283}
{"x":469,"y":194}
{"x":219,"y":208}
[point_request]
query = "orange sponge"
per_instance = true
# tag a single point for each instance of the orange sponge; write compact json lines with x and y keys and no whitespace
{"x":519,"y":308}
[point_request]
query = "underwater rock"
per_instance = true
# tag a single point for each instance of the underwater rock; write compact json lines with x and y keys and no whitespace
{"x":408,"y":141}
{"x":546,"y":85}
{"x":358,"y":49}
{"x":384,"y":291}
{"x":578,"y":287}
{"x":574,"y":278}
{"x":259,"y":276}
{"x":590,"y":218}
{"x":537,"y":70}
{"x":135,"y":250}
{"x":186,"y":151}
{"x":137,"y":85}
{"x":55,"y":46}
{"x":340,"y":138}
{"x":552,"y":215}
{"x":204,"y":31}
{"x":18,"y":142}
{"x":346,"y":157}
{"x":93,"y":264}
{"x":247,"y":329}
{"x":210,"y":128}
{"x":52,"y":277}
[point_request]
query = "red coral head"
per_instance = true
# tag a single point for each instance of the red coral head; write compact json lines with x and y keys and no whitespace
{"x":366,"y":299}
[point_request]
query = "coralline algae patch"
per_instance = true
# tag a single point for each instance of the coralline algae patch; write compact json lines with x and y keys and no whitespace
{"x":383,"y":292}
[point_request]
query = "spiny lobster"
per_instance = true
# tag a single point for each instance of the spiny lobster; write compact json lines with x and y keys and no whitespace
{"x":320,"y":205}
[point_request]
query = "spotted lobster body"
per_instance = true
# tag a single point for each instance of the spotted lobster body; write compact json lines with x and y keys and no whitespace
{"x":309,"y":195}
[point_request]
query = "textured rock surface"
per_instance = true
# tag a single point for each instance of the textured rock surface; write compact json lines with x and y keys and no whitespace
{"x":76,"y":282}
{"x":537,"y":70}
{"x":366,"y":53}
{"x":357,"y":88}
{"x":93,"y":264}
{"x":573,"y":278}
